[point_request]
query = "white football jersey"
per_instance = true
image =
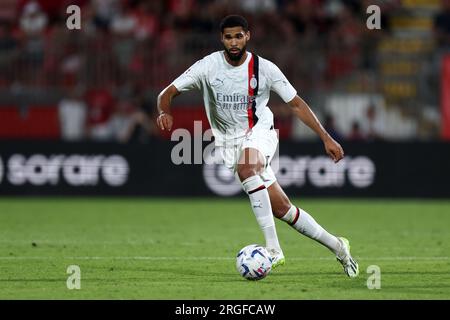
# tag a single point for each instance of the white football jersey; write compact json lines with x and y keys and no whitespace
{"x":236,"y":97}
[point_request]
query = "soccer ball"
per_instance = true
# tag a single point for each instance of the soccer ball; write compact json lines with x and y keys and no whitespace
{"x":253,"y":262}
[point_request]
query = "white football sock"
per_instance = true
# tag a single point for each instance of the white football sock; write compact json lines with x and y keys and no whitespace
{"x":260,"y":202}
{"x":301,"y":221}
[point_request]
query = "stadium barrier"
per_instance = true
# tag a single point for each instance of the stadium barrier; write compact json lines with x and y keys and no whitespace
{"x":377,"y":169}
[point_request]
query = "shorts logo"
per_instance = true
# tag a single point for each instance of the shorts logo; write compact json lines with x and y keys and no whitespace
{"x":253,"y":82}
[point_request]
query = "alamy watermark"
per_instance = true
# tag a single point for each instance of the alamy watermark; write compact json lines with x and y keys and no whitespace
{"x":74,"y":279}
{"x":189,"y":149}
{"x":374,"y":20}
{"x":73,"y":22}
{"x":374,"y":280}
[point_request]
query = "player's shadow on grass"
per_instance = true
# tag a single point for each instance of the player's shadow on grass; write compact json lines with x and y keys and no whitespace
{"x":212,"y":275}
{"x":206,"y":273}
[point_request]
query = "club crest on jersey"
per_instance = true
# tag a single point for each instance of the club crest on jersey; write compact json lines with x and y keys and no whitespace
{"x":253,"y":82}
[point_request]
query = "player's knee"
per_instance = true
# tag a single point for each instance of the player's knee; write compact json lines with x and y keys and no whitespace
{"x":251,"y":163}
{"x":281,"y":208}
{"x":246,"y":171}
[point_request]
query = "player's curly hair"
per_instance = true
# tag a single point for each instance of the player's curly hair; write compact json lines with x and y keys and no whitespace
{"x":233,"y":20}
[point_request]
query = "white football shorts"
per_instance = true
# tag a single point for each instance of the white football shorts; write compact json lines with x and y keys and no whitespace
{"x":263,"y":140}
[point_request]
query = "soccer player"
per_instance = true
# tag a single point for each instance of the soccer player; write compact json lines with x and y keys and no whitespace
{"x":236,"y":85}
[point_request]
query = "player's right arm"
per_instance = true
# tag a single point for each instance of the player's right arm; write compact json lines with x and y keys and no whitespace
{"x":190,"y":79}
{"x":165,"y":119}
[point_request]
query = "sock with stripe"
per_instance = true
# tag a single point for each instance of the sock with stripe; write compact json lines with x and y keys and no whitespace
{"x":301,"y":221}
{"x":260,"y":202}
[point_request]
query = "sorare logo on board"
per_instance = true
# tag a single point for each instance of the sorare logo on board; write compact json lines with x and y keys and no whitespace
{"x":318,"y":172}
{"x":73,"y":169}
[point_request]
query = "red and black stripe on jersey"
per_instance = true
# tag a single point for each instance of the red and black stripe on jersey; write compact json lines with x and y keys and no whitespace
{"x":253,"y":72}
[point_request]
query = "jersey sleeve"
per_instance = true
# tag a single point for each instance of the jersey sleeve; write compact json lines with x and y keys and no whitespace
{"x":280,"y":84}
{"x":191,"y":78}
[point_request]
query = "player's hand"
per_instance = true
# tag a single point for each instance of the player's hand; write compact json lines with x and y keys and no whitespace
{"x":333,"y":149}
{"x":165,"y":121}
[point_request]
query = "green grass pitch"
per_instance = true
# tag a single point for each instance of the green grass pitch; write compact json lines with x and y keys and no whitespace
{"x":130,"y":248}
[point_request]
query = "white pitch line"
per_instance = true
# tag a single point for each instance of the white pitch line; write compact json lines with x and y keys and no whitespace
{"x":156,"y":258}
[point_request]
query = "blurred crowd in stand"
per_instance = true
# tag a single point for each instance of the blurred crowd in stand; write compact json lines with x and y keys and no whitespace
{"x":107,"y":74}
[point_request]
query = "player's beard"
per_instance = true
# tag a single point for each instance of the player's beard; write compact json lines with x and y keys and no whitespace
{"x":238,"y":56}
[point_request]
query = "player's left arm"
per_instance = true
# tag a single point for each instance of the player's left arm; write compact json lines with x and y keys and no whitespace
{"x":307,"y":116}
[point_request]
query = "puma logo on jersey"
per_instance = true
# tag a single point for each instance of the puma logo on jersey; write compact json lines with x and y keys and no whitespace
{"x":217,"y":82}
